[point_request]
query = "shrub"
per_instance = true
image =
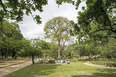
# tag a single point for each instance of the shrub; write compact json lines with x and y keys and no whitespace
{"x":51,"y":61}
{"x":105,"y":63}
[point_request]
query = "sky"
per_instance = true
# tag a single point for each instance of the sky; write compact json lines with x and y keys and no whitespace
{"x":30,"y":29}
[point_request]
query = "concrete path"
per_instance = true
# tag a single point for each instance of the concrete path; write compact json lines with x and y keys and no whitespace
{"x":7,"y":70}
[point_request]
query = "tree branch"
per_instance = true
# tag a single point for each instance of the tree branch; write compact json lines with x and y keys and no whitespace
{"x":107,"y":36}
{"x":107,"y":19}
{"x":100,"y":30}
{"x":3,"y":6}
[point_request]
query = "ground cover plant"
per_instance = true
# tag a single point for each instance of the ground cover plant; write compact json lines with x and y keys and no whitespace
{"x":75,"y":69}
{"x":105,"y":63}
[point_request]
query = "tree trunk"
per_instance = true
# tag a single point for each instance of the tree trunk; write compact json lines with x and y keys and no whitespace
{"x":33,"y":59}
{"x":7,"y":49}
{"x":13,"y":54}
{"x":2,"y":53}
{"x":44,"y":55}
{"x":59,"y":50}
{"x":6,"y":53}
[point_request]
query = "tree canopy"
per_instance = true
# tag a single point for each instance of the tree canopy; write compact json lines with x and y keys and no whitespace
{"x":15,"y":9}
{"x":96,"y":20}
{"x":10,"y":36}
{"x":58,"y":30}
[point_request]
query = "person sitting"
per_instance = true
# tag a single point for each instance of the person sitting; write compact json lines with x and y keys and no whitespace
{"x":58,"y":61}
{"x":68,"y":62}
{"x":63,"y":61}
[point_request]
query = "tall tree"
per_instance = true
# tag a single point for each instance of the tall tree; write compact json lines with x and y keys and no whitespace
{"x":109,"y":49}
{"x":10,"y":34}
{"x":15,"y":9}
{"x":96,"y":20}
{"x":30,"y":48}
{"x":53,"y":49}
{"x":58,"y":30}
{"x":43,"y":45}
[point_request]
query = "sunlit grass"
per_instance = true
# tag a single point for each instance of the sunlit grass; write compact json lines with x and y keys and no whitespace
{"x":75,"y":69}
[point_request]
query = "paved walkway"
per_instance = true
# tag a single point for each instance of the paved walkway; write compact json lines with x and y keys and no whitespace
{"x":7,"y":70}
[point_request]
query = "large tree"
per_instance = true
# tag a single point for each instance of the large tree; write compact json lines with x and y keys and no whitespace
{"x":96,"y":20}
{"x":109,"y":49}
{"x":15,"y":9}
{"x":10,"y":35}
{"x":58,"y":30}
{"x":30,"y":48}
{"x":43,"y":45}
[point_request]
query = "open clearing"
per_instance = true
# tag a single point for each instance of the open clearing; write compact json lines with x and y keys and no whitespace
{"x":75,"y":69}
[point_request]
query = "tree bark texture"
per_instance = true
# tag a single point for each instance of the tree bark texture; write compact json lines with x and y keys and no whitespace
{"x":59,"y":50}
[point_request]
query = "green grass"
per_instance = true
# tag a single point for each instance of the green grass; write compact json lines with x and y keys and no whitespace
{"x":75,"y":69}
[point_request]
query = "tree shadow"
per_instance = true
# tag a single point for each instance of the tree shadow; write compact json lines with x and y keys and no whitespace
{"x":97,"y":75}
{"x":103,"y":73}
{"x":46,"y":69}
{"x":35,"y":70}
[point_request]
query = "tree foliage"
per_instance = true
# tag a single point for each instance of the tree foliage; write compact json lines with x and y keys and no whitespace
{"x":10,"y":35}
{"x":109,"y":49}
{"x":96,"y":20}
{"x":96,"y":23}
{"x":15,"y":9}
{"x":58,"y":30}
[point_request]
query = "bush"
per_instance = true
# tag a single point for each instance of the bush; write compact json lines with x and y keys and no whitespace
{"x":69,"y":57}
{"x":85,"y":59}
{"x":51,"y":61}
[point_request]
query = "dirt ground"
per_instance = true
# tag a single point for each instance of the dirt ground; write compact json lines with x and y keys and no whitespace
{"x":7,"y":62}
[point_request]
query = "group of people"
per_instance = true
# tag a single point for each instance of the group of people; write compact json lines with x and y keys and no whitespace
{"x":63,"y":61}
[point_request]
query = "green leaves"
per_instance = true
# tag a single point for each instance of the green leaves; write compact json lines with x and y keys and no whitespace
{"x":15,"y":9}
{"x":58,"y":30}
{"x":59,"y":2}
{"x":77,"y":3}
{"x":37,"y":18}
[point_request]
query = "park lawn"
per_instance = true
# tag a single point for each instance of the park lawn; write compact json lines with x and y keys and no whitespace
{"x":75,"y":69}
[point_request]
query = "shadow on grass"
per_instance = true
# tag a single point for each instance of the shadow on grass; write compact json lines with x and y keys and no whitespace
{"x":97,"y":75}
{"x":46,"y":69}
{"x":34,"y":70}
{"x":104,"y":73}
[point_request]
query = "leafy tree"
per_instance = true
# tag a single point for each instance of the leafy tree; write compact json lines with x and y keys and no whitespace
{"x":58,"y":30}
{"x":43,"y":45}
{"x":109,"y":50}
{"x":10,"y":34}
{"x":96,"y":20}
{"x":53,"y":49}
{"x":71,"y":51}
{"x":15,"y":9}
{"x":92,"y":48}
{"x":30,"y":48}
{"x":82,"y":50}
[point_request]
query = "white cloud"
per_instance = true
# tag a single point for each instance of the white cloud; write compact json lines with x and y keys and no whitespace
{"x":30,"y":29}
